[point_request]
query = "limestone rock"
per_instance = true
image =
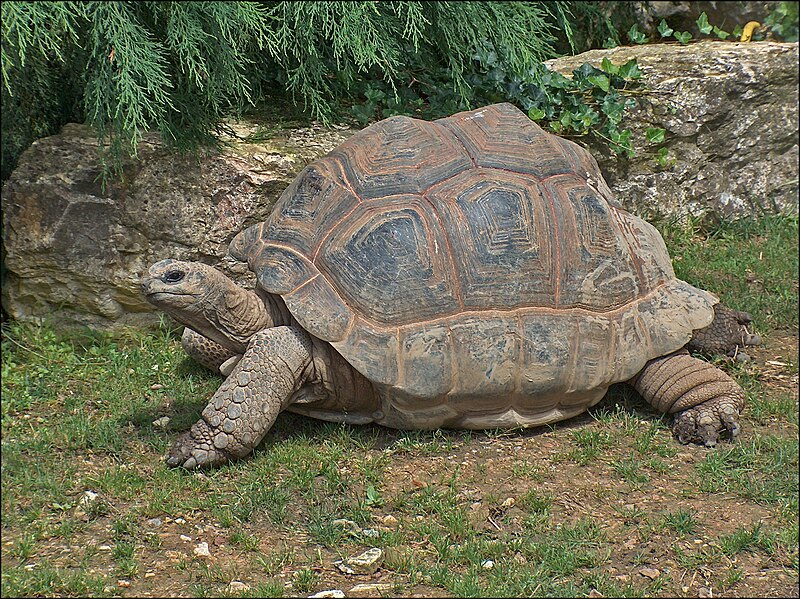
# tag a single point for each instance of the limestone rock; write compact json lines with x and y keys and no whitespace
{"x":377,"y":589}
{"x":731,"y":114}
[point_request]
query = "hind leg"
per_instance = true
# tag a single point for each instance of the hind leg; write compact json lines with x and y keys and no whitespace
{"x":728,"y":334}
{"x":704,"y":400}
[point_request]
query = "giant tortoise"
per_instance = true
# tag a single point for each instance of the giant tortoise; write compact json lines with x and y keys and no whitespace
{"x":470,"y":272}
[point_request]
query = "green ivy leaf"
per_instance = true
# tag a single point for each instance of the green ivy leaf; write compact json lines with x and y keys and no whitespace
{"x":613,"y":109}
{"x":557,"y":80}
{"x":608,"y":66}
{"x":683,"y":37}
{"x":536,"y":114}
{"x":737,"y":31}
{"x":630,"y":70}
{"x":637,"y":36}
{"x":600,"y":81}
{"x":702,"y":24}
{"x":664,"y":29}
{"x":621,"y":142}
{"x":655,"y":135}
{"x":723,"y":35}
{"x":662,"y":157}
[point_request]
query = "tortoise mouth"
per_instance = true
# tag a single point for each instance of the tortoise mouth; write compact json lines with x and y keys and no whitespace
{"x":174,"y":299}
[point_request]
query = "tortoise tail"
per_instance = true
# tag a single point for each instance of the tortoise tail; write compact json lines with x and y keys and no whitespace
{"x":705,"y":400}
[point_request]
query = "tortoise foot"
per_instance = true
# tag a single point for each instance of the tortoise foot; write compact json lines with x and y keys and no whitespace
{"x":703,"y":423}
{"x":195,"y":449}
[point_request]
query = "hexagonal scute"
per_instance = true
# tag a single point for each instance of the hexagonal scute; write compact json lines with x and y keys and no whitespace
{"x":501,"y":136}
{"x":316,"y":200}
{"x":503,"y":237}
{"x":400,"y":155}
{"x":601,"y":274}
{"x":390,"y":263}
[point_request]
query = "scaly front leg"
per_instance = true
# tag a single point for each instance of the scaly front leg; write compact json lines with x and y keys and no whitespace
{"x":247,"y":403}
{"x":205,"y":351}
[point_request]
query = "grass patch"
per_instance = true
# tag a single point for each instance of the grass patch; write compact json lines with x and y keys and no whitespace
{"x":751,"y":264}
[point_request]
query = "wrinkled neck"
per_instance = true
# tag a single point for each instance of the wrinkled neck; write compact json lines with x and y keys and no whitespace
{"x":230,"y":315}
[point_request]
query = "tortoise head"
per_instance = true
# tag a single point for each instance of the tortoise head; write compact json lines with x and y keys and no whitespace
{"x":182,"y":288}
{"x":205,"y":300}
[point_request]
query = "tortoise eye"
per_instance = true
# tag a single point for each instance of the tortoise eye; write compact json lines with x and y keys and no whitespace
{"x":174,"y":276}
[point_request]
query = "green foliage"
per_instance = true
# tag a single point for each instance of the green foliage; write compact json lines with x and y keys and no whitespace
{"x":723,"y":35}
{"x":664,"y":29}
{"x":783,"y":21}
{"x":181,"y":67}
{"x":35,"y":39}
{"x":702,"y":24}
{"x":596,"y":25}
{"x":655,"y":135}
{"x":592,"y":102}
{"x":683,"y":37}
{"x":397,"y":53}
{"x":173,"y":66}
{"x":637,"y":36}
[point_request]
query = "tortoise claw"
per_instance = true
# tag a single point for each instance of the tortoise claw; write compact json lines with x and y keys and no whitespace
{"x":703,"y":423}
{"x":195,"y":449}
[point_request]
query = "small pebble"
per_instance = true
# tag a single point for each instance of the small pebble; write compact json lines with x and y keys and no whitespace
{"x":124,"y":583}
{"x":156,"y":386}
{"x":389,"y":520}
{"x":202,"y":550}
{"x":487,"y":564}
{"x":185,"y":538}
{"x":348,"y":525}
{"x":371,"y":533}
{"x":650,"y":573}
{"x":331,"y":594}
{"x":88,"y":497}
{"x":237,"y":586}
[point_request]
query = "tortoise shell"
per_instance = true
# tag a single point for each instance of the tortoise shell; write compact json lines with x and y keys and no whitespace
{"x":476,"y":268}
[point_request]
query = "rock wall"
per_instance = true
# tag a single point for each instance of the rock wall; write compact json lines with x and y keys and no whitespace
{"x":731,"y":114}
{"x":75,"y":251}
